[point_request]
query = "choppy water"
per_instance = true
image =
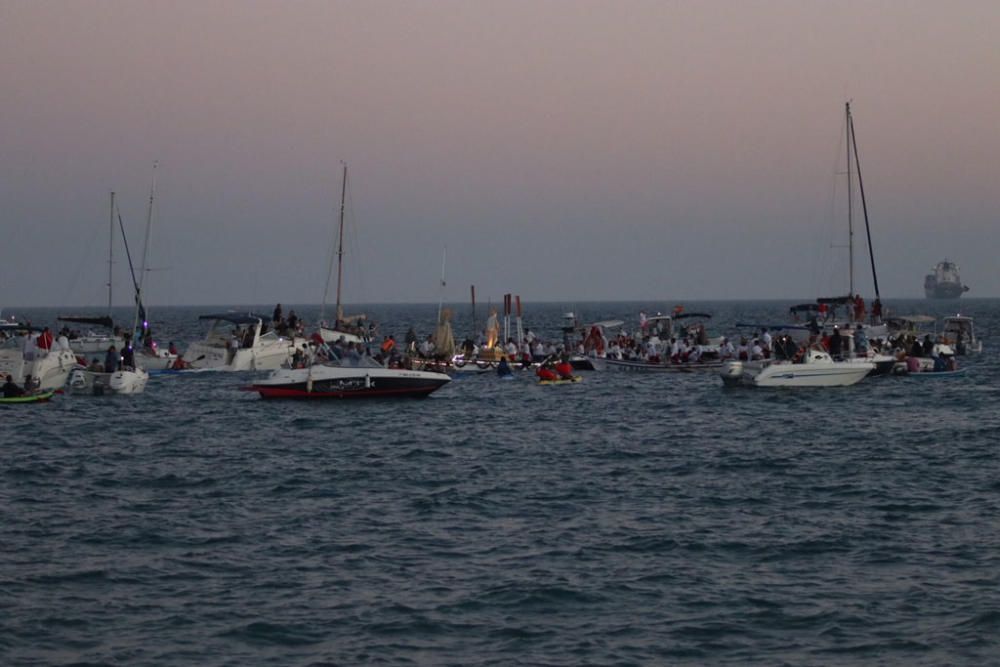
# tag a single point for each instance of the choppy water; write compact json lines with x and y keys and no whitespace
{"x":624,"y":520}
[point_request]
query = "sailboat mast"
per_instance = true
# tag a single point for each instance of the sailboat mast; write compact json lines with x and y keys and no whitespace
{"x":340,"y":244}
{"x":850,"y":204}
{"x":145,"y":255}
{"x":111,"y":249}
{"x":864,"y":205}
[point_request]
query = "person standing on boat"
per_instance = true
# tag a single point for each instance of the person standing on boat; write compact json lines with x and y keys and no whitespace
{"x":44,"y":341}
{"x":111,"y":360}
{"x":836,"y":343}
{"x":128,"y":355}
{"x":859,"y":308}
{"x":860,"y":342}
{"x":276,"y":317}
{"x":877,"y":311}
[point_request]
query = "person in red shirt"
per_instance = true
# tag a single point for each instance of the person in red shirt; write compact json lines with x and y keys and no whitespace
{"x":564,"y":369}
{"x":545,"y":373}
{"x":44,"y":341}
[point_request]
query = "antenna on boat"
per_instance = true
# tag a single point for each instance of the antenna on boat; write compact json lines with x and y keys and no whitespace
{"x":444,"y":257}
{"x":472,"y":289}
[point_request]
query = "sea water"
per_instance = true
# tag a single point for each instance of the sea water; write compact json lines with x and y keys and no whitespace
{"x":626,"y":520}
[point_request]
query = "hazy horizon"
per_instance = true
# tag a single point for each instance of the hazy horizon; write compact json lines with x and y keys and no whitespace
{"x":563,"y":151}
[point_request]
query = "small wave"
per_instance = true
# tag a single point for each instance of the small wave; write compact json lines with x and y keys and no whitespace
{"x":262,"y":632}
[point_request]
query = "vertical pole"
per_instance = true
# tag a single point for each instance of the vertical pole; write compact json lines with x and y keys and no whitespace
{"x":850,"y":209}
{"x":111,"y":250}
{"x":340,"y":246}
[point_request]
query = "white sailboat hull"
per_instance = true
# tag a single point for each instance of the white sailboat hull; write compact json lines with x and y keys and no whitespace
{"x":124,"y":382}
{"x":91,"y":346}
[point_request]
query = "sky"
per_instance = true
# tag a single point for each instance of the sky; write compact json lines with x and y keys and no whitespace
{"x":558,"y":150}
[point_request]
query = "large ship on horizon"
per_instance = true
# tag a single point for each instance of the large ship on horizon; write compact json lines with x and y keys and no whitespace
{"x":943,"y":282}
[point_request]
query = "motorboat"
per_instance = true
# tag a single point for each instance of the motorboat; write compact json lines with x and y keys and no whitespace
{"x":815,"y":368}
{"x":19,"y":358}
{"x":960,"y":332}
{"x":367,"y":379}
{"x":240,"y":342}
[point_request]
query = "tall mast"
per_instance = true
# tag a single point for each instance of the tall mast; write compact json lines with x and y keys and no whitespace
{"x":111,"y":249}
{"x":340,"y":245}
{"x":850,"y":204}
{"x":864,"y":207}
{"x":145,"y":253}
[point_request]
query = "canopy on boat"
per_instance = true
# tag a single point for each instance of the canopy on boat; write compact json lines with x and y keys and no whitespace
{"x":681,"y":316}
{"x":235,"y":318}
{"x":914,"y":319}
{"x":772,"y":327}
{"x":804,"y":308}
{"x":835,"y":300}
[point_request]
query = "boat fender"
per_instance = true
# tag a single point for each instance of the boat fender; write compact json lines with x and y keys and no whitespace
{"x":368,"y":381}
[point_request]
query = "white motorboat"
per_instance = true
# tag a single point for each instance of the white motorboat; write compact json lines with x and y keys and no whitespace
{"x":368,"y":379}
{"x":96,"y":383}
{"x":240,"y":342}
{"x":960,"y":333}
{"x":816,"y":368}
{"x":19,"y":359}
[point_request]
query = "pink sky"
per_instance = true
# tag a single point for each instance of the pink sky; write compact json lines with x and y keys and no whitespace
{"x":658,"y":149}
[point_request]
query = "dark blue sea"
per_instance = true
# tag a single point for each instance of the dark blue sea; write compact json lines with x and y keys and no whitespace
{"x":625,"y":520}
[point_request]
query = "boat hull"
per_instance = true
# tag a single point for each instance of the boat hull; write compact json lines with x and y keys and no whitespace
{"x":51,"y":369}
{"x":822,"y":373}
{"x":336,"y":382}
{"x":31,"y":398}
{"x":125,"y":382}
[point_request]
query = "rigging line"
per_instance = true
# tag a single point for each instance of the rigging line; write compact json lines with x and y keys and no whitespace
{"x":357,"y":266}
{"x":85,"y":260}
{"x":128,"y":253}
{"x":864,"y":205}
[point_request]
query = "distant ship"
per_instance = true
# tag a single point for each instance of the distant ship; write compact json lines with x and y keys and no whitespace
{"x":944,"y":282}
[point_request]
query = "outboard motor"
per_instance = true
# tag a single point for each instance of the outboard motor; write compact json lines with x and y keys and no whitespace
{"x":732,"y":373}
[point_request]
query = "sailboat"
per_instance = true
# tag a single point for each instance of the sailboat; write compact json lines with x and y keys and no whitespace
{"x":125,"y":379}
{"x":816,"y":367}
{"x":350,"y":329}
